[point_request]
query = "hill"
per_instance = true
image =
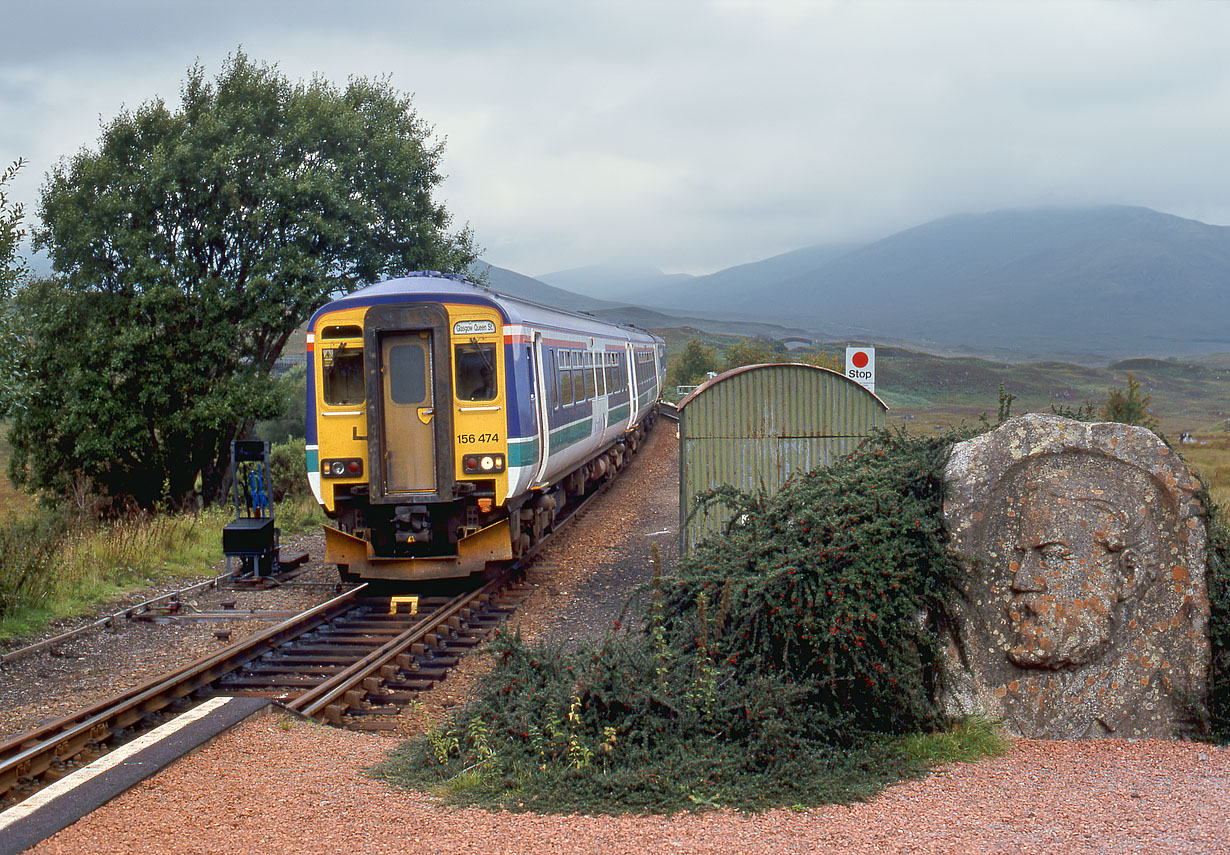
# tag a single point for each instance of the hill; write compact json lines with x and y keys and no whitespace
{"x":1187,"y":395}
{"x":1089,"y":284}
{"x":614,"y":282}
{"x":518,"y":285}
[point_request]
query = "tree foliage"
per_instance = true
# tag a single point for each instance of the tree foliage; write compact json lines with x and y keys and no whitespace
{"x":1130,"y":406}
{"x":189,"y":246}
{"x":291,"y":419}
{"x":692,"y":366}
{"x":759,"y":351}
{"x":1218,"y":571}
{"x":12,"y":268}
{"x":13,"y":271}
{"x":755,"y":351}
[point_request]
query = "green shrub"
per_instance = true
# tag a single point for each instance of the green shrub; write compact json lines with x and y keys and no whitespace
{"x":779,"y":666}
{"x":287,"y":471}
{"x":301,"y":514}
{"x":291,"y":391}
{"x":1218,"y":577}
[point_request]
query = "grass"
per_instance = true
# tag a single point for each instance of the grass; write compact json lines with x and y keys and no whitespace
{"x":1209,"y":457}
{"x":11,"y":500}
{"x":967,"y":741}
{"x":50,"y":569}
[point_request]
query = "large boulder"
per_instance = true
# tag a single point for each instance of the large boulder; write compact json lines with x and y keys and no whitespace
{"x":1085,"y":610}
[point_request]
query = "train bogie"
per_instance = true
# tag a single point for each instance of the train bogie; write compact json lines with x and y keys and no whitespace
{"x":447,"y":424}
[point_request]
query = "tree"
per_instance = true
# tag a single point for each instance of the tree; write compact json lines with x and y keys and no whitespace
{"x":291,"y":420}
{"x":189,"y":246}
{"x":12,"y":268}
{"x":1129,"y":406}
{"x":755,"y":351}
{"x":759,"y":351}
{"x":692,"y":366}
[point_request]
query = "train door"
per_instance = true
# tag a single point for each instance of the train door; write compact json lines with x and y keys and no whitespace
{"x":632,"y":390}
{"x":596,"y":368}
{"x":407,"y":409}
{"x":540,"y":409}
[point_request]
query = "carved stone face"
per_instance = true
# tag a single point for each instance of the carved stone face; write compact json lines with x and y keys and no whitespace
{"x":1066,"y":577}
{"x":1083,"y":608}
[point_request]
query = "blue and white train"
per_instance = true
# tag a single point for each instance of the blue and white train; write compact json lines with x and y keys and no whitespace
{"x":447,"y":425}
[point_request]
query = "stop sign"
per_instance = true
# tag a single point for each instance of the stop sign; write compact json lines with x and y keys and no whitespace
{"x":861,"y":366}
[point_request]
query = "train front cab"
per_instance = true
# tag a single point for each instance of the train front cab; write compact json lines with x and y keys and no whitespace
{"x":421,"y":507}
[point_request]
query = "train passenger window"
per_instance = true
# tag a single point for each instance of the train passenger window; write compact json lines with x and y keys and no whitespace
{"x":476,"y":374}
{"x":578,"y":385}
{"x":591,"y":381}
{"x":552,"y":379}
{"x":565,"y":387}
{"x":343,"y":370}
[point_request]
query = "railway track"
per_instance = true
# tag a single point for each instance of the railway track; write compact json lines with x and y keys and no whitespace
{"x":166,"y":604}
{"x":355,"y":661}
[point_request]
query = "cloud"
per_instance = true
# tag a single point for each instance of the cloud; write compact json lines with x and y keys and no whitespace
{"x":695,"y":135}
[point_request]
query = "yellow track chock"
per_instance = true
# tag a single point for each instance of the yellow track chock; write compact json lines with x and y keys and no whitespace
{"x":413,"y":602}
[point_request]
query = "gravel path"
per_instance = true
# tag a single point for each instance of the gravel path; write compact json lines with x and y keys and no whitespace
{"x":275,"y":788}
{"x":278,"y":787}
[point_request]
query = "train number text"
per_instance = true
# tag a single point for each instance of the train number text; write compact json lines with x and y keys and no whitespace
{"x":470,"y":439}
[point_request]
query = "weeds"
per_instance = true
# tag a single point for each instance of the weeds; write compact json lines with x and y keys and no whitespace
{"x":966,"y":741}
{"x":298,"y":514}
{"x":59,"y":563}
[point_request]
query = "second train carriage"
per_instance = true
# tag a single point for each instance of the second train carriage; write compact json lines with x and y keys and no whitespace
{"x":447,"y":424}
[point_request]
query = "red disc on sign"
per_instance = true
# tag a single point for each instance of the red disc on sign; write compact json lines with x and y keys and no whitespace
{"x":859,"y":359}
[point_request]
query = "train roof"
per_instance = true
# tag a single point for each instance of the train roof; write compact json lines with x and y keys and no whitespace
{"x":430,"y":286}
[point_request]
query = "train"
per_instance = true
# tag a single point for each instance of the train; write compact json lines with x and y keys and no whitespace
{"x":449,"y":425}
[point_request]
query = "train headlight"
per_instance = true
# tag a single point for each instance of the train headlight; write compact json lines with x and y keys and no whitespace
{"x":482,"y":464}
{"x":346,"y":468}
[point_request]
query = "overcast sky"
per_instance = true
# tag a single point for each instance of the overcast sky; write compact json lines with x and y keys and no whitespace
{"x":688,"y":135}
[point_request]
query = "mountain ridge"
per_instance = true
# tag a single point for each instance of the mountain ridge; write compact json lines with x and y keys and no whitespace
{"x":1091,"y":284}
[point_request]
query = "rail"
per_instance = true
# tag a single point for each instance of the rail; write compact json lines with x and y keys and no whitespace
{"x":32,"y":754}
{"x":329,"y":701}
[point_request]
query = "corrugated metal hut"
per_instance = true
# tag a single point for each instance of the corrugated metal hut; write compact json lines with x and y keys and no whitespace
{"x":754,"y":426}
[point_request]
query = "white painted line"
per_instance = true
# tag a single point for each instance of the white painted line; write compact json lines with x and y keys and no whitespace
{"x":107,"y":761}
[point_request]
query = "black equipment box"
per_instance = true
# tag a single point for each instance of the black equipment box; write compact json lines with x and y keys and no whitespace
{"x":248,"y":536}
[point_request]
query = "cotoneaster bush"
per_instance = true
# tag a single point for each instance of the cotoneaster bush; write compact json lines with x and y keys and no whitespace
{"x":1218,"y":577}
{"x":781,"y":665}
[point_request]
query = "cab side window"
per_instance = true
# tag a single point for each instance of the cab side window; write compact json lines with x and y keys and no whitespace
{"x":476,"y":375}
{"x":343,"y":374}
